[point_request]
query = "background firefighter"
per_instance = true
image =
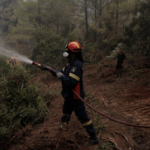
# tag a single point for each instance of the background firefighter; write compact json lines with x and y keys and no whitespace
{"x":71,"y":77}
{"x":119,"y":63}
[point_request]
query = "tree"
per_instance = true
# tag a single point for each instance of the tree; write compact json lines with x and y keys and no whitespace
{"x":86,"y":20}
{"x":137,"y":34}
{"x":7,"y":17}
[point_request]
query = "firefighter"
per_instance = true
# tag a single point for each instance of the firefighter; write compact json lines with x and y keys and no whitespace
{"x":120,"y":61}
{"x":72,"y":78}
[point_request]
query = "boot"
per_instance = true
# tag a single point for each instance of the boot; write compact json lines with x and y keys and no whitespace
{"x":64,"y":122}
{"x":93,"y":140}
{"x":120,"y":75}
{"x":116,"y":75}
{"x":64,"y":126}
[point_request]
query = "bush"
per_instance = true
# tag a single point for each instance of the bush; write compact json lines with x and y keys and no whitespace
{"x":20,"y":103}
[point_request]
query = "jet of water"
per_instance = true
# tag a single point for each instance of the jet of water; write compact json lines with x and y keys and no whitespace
{"x":8,"y":53}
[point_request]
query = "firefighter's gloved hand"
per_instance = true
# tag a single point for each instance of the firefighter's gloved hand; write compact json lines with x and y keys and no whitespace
{"x":43,"y":67}
{"x":59,"y":74}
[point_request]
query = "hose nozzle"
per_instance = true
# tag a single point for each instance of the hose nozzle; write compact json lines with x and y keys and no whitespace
{"x":43,"y":67}
{"x":37,"y":64}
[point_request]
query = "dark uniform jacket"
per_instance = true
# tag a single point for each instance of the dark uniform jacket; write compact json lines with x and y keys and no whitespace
{"x":72,"y":79}
{"x":120,"y":58}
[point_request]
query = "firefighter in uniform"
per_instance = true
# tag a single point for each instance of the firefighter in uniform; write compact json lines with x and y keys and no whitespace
{"x":71,"y":76}
{"x":120,"y":61}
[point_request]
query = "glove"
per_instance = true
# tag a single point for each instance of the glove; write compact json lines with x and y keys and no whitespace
{"x":59,"y":74}
{"x":43,"y":67}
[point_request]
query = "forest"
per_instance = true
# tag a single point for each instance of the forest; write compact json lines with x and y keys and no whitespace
{"x":40,"y":30}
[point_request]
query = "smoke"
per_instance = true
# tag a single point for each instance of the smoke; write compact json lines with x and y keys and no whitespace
{"x":8,"y":53}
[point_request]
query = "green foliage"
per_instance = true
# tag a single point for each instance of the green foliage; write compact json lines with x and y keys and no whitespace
{"x":7,"y":17}
{"x":20,"y":102}
{"x":49,"y":47}
{"x":137,"y":33}
{"x":137,"y":36}
{"x":42,"y":28}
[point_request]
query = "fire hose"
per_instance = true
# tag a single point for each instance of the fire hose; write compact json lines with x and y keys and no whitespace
{"x":115,"y":120}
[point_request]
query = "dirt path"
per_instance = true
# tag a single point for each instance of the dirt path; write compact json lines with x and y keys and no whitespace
{"x":126,"y":99}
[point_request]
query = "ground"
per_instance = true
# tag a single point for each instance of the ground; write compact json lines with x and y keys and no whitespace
{"x":121,"y":116}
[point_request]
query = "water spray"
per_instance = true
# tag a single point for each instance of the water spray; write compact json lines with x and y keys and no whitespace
{"x":9,"y":54}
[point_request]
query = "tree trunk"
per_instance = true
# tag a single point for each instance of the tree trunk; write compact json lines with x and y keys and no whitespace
{"x":95,"y":17}
{"x":95,"y":11}
{"x":86,"y":21}
{"x":117,"y":15}
{"x":39,"y":7}
{"x":100,"y":12}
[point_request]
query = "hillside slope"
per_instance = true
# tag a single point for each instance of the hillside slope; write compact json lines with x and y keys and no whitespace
{"x":126,"y":99}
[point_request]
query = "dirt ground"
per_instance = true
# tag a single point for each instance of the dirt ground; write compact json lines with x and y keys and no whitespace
{"x":122,"y":121}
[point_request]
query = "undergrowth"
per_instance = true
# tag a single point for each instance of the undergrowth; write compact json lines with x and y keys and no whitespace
{"x":20,"y":102}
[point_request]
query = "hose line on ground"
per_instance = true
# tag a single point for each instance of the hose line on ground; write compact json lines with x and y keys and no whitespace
{"x":121,"y":122}
{"x":125,"y":123}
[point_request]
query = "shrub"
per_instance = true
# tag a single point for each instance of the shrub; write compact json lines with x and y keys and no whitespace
{"x":20,"y":103}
